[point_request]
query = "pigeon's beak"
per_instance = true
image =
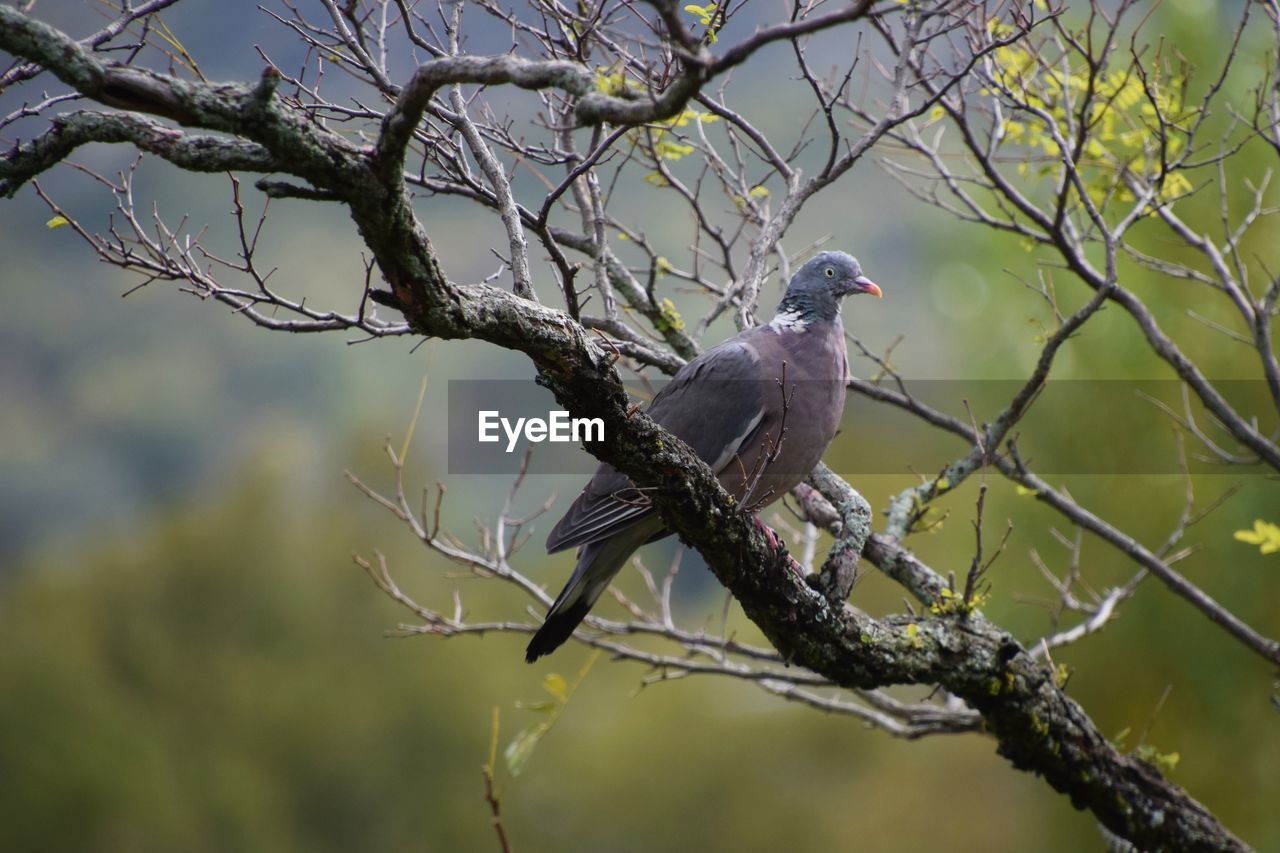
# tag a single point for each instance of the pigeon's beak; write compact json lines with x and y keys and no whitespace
{"x":866,"y":285}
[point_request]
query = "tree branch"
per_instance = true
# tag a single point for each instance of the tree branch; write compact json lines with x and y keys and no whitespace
{"x":195,"y":153}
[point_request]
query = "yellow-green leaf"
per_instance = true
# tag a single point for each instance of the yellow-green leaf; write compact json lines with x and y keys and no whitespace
{"x":702,"y":13}
{"x":556,"y":686}
{"x":610,"y":82}
{"x":668,"y":150}
{"x":670,"y":318}
{"x":913,"y":634}
{"x":1163,"y":761}
{"x":57,"y":222}
{"x":1264,"y":534}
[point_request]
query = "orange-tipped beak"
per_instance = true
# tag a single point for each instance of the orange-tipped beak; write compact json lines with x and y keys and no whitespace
{"x":869,"y":286}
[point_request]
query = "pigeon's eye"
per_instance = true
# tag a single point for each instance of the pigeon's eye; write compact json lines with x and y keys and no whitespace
{"x":829,"y":272}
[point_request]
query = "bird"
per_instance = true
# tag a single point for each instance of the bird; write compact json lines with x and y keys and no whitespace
{"x":760,"y":409}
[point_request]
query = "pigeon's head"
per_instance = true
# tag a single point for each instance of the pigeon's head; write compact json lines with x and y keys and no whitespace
{"x":816,"y":290}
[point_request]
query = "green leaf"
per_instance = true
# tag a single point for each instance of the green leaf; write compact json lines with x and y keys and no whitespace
{"x":57,"y":222}
{"x":913,"y":635}
{"x":521,"y":748}
{"x":519,"y":751}
{"x":1162,"y":761}
{"x":542,"y":707}
{"x":555,"y":684}
{"x":669,"y":317}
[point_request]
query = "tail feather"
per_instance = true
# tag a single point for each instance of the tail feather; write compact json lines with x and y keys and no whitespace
{"x":598,"y":563}
{"x":558,"y":628}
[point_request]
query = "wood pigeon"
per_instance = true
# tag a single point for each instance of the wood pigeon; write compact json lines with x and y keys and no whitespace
{"x":759,"y":409}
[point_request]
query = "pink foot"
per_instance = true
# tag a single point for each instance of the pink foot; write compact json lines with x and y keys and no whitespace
{"x":775,"y":544}
{"x":769,"y":535}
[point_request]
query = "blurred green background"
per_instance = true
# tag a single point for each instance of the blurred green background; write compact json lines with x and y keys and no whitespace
{"x":189,"y":660}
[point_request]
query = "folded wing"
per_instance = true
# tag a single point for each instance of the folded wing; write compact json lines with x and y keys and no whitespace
{"x":715,"y":404}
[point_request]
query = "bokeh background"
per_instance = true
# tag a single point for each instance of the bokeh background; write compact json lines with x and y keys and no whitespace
{"x":190,"y":660}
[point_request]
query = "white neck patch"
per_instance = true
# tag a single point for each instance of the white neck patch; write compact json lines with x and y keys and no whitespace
{"x":789,"y":320}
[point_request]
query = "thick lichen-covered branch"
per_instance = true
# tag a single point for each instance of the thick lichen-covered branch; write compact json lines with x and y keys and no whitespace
{"x":849,"y":521}
{"x":193,"y":152}
{"x":252,"y":112}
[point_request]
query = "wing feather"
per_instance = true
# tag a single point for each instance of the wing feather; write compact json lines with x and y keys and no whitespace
{"x":714,"y":404}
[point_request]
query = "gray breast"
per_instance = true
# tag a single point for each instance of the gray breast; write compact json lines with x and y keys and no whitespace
{"x":815,"y":376}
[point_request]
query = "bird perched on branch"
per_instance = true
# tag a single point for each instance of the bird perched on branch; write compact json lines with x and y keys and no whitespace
{"x":759,"y":409}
